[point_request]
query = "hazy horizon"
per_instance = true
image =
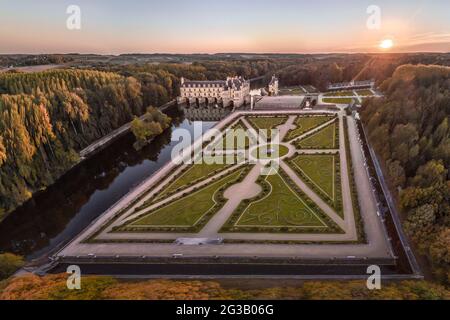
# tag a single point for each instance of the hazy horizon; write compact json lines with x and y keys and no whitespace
{"x":209,"y":27}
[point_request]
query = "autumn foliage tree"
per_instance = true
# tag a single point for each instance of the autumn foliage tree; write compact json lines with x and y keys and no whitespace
{"x":153,"y":124}
{"x":47,"y":117}
{"x":409,"y":130}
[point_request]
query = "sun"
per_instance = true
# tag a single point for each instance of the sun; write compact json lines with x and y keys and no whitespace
{"x":386,"y":44}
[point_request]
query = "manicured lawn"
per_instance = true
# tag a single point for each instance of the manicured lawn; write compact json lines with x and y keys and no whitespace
{"x":323,"y":139}
{"x":186,"y":211}
{"x":340,"y":94}
{"x":337,"y":100}
{"x":319,"y":169}
{"x":364,"y":92}
{"x":277,"y":151}
{"x":194,"y":173}
{"x":266,"y":122}
{"x":282,"y":207}
{"x":231,"y":140}
{"x":304,"y":124}
{"x":322,"y":173}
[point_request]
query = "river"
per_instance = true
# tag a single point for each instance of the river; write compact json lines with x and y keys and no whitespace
{"x":54,"y":216}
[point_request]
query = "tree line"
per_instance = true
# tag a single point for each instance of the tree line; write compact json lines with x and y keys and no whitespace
{"x":53,"y":287}
{"x":409,"y":129}
{"x":47,"y":117}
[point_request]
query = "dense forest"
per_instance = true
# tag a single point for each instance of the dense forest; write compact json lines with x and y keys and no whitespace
{"x":53,"y":287}
{"x":160,"y":82}
{"x":47,"y":117}
{"x":22,"y":60}
{"x":409,"y":129}
{"x":320,"y":71}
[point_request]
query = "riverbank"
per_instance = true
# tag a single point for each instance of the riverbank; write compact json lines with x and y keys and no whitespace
{"x":56,"y":215}
{"x":106,"y":140}
{"x":92,"y":149}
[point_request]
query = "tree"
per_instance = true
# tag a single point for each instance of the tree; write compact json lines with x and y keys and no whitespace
{"x":9,"y":263}
{"x":2,"y":152}
{"x":429,"y":174}
{"x":155,"y":123}
{"x":47,"y":117}
{"x":140,"y":130}
{"x":440,"y":254}
{"x":396,"y":173}
{"x":414,"y":116}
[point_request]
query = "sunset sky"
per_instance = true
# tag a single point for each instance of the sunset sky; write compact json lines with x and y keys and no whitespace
{"x":210,"y":26}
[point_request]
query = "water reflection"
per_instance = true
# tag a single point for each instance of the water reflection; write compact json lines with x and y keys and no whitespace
{"x":56,"y":215}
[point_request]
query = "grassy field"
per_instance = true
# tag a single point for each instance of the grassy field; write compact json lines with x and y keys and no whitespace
{"x":340,"y":94}
{"x":281,"y":207}
{"x":364,"y":92}
{"x":304,"y":124}
{"x":319,"y":169}
{"x":266,"y":122}
{"x":187,"y":211}
{"x":278,"y":151}
{"x":337,"y":100}
{"x":194,"y":173}
{"x":322,"y":173}
{"x":323,"y":139}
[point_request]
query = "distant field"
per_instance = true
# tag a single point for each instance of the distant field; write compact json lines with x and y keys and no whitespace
{"x":32,"y":69}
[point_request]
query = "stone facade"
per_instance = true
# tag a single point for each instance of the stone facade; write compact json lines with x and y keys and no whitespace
{"x":273,"y":86}
{"x":352,"y":85}
{"x":233,"y":90}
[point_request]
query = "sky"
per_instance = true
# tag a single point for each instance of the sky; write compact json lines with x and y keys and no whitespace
{"x":211,"y":26}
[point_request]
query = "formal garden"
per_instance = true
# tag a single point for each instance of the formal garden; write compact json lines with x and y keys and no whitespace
{"x":301,"y":194}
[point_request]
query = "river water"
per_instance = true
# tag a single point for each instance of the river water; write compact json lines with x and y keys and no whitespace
{"x":56,"y":215}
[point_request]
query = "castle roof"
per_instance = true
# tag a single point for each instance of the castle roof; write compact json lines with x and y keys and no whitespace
{"x":231,"y":82}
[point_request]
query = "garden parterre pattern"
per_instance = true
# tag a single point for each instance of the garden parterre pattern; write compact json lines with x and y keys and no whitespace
{"x":323,"y":139}
{"x":191,"y":196}
{"x":266,"y":123}
{"x":230,"y":139}
{"x":321,"y":172}
{"x":187,"y":211}
{"x":282,"y":207}
{"x":303,"y":124}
